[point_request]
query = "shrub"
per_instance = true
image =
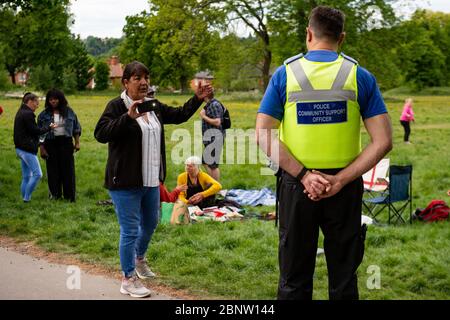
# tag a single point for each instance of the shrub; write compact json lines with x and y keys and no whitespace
{"x":42,"y":78}
{"x":101,"y":75}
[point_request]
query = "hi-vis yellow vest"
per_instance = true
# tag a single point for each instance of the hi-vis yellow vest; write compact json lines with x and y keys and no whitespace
{"x":321,"y":123}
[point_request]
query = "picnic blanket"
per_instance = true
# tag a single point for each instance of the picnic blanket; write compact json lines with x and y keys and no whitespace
{"x":215,"y":213}
{"x":264,"y":197}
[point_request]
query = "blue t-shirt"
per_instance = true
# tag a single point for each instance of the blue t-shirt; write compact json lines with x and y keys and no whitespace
{"x":369,"y":96}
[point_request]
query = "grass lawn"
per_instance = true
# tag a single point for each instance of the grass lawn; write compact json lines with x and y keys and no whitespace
{"x":236,"y":260}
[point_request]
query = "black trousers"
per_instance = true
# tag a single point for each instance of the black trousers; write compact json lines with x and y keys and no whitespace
{"x":339,"y":218}
{"x":407,"y":128}
{"x":60,"y":168}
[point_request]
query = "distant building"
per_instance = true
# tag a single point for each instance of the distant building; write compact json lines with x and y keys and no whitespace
{"x":21,"y":77}
{"x":115,"y":71}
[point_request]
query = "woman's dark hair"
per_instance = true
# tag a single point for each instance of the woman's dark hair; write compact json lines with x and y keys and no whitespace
{"x":29,"y":96}
{"x":134,"y":68}
{"x":62,"y":104}
{"x":327,"y":23}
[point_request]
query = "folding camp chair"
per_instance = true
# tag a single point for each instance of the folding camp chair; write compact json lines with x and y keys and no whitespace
{"x":399,"y":190}
{"x":375,"y":182}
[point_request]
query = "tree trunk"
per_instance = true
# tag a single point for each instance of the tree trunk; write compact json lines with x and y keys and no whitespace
{"x":266,"y":67}
{"x":267,"y":59}
{"x":184,"y":85}
{"x":12,"y":73}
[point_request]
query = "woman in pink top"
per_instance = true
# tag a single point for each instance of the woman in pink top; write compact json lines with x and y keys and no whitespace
{"x":406,"y":117}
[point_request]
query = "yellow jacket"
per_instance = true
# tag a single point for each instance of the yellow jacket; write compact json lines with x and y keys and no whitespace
{"x":208,"y":184}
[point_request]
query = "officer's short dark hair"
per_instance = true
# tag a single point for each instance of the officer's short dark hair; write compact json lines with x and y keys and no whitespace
{"x":327,"y":23}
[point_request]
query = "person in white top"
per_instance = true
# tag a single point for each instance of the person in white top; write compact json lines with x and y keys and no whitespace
{"x":58,"y":145}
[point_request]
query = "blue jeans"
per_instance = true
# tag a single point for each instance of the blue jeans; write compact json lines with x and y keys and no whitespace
{"x":137,"y":212}
{"x":31,"y":173}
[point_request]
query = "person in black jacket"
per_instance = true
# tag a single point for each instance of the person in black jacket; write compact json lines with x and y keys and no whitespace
{"x":59,"y":145}
{"x":136,"y":165}
{"x":26,"y":139}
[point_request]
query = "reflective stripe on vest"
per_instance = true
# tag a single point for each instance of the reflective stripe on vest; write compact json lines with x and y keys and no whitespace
{"x":321,"y":123}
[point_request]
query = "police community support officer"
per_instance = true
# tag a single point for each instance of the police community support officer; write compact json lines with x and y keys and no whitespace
{"x":316,"y":101}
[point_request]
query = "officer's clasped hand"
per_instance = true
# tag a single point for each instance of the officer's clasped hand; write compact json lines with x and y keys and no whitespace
{"x":328,"y":189}
{"x":316,"y":186}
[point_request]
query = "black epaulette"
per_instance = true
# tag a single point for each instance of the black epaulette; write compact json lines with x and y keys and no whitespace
{"x":291,"y":59}
{"x":349,"y":58}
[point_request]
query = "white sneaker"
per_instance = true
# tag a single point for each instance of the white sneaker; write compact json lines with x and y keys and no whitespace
{"x":134,"y":287}
{"x":143,"y":271}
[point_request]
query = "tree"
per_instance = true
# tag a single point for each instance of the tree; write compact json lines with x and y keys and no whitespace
{"x":101,"y":75}
{"x":42,"y":78}
{"x":11,"y":40}
{"x":290,"y":18}
{"x":380,"y":56}
{"x":371,"y":33}
{"x":24,"y":4}
{"x":136,"y":39}
{"x":280,"y":25}
{"x":69,"y":84}
{"x":35,"y":33}
{"x":423,"y":45}
{"x":255,"y":15}
{"x":48,"y":38}
{"x":4,"y":78}
{"x":98,"y":46}
{"x":236,"y":65}
{"x":173,"y":40}
{"x":81,"y":64}
{"x":181,"y":36}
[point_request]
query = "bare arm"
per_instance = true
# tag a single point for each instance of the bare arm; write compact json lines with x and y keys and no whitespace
{"x":267,"y":139}
{"x":380,"y":132}
{"x":214,"y":122}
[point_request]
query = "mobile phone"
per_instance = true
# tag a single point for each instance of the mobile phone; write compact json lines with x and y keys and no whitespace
{"x":147,"y":106}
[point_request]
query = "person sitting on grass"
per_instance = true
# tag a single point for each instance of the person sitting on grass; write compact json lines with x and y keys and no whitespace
{"x":201,"y":187}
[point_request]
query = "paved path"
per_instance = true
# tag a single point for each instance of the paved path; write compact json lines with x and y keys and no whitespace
{"x":29,"y":278}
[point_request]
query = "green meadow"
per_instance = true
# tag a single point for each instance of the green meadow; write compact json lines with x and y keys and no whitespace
{"x":237,"y":260}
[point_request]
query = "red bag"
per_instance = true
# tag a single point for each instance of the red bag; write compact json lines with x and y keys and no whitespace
{"x":437,"y":210}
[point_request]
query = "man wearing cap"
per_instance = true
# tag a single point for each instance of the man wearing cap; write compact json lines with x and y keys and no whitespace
{"x":316,"y":102}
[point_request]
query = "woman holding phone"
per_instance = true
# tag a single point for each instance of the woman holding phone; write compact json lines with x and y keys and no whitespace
{"x":136,"y":165}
